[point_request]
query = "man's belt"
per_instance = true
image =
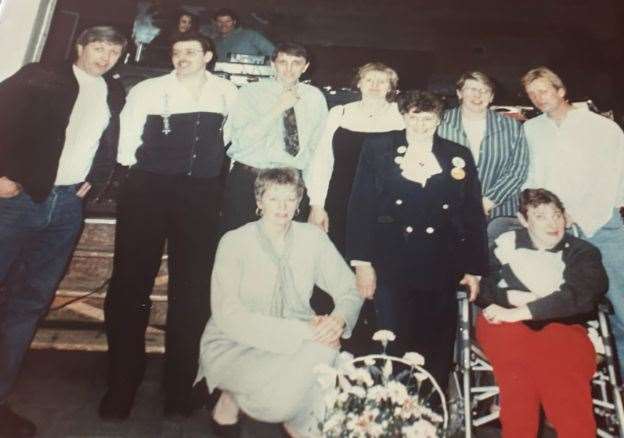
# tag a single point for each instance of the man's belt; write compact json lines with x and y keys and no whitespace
{"x":254,"y":170}
{"x":246,"y":168}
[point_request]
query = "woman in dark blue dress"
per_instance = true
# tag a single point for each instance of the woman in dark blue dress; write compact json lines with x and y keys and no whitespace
{"x":416,"y":231}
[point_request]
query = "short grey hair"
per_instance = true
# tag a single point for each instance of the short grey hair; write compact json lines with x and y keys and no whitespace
{"x":475,"y":75}
{"x":287,"y":176}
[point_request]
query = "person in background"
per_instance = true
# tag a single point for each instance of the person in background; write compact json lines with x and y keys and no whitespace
{"x":58,"y":134}
{"x":182,"y":23}
{"x":157,"y":52}
{"x":231,"y":38}
{"x":579,"y":155}
{"x":415,"y":230}
{"x":497,"y":143}
{"x":171,"y":138}
{"x":274,"y":123}
{"x":543,"y":285}
{"x":335,"y":160}
{"x":263,"y":340}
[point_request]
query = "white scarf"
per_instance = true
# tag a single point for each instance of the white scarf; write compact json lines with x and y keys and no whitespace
{"x":539,"y":270}
{"x":419,"y":165}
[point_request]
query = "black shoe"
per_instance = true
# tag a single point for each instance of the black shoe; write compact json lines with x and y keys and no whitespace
{"x":116,"y":405}
{"x":13,"y":425}
{"x":212,"y":399}
{"x":201,"y":398}
{"x":225,"y":430}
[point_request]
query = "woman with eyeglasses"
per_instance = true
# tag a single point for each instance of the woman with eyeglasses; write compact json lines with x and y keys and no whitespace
{"x":416,"y":231}
{"x":496,"y":141}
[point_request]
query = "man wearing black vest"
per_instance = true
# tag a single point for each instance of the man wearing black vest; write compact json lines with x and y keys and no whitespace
{"x":58,"y":131}
{"x":171,"y":138}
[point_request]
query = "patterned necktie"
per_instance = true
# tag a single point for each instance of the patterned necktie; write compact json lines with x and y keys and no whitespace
{"x":291,"y":136}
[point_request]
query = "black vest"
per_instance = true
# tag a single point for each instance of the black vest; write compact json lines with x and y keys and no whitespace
{"x":193,"y":146}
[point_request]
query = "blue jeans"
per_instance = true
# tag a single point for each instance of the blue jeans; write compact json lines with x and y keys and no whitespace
{"x":36,"y":240}
{"x":610,"y":241}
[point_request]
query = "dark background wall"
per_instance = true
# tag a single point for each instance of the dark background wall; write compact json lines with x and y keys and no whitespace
{"x":429,"y":42}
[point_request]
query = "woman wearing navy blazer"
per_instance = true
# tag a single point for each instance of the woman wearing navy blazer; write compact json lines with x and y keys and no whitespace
{"x":416,"y":230}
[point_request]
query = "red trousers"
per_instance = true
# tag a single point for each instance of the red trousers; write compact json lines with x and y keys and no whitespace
{"x":551,"y":368}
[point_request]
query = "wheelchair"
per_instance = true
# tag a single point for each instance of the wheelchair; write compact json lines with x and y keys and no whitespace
{"x":474,"y":399}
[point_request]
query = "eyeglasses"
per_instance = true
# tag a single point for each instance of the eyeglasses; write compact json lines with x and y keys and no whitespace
{"x":422,"y":117}
{"x":474,"y":90}
{"x":189,"y":52}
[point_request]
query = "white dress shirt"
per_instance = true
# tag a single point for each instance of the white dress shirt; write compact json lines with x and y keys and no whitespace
{"x":87,"y":121}
{"x":419,"y":163}
{"x":475,"y":131}
{"x":581,"y":161}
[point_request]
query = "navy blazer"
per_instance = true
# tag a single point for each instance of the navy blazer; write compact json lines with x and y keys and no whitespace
{"x":418,"y":237}
{"x":36,"y":104}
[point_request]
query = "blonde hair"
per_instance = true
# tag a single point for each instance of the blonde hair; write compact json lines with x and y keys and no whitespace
{"x":393,"y":77}
{"x":542,"y":73}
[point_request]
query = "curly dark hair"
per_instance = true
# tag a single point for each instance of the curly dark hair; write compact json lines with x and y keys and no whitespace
{"x":420,"y":102}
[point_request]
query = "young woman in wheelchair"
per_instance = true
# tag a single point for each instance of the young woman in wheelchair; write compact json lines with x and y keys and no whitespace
{"x":543,"y":285}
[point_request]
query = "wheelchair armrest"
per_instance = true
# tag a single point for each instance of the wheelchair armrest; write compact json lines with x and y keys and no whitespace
{"x":605,"y":306}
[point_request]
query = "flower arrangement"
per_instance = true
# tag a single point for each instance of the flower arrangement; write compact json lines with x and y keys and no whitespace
{"x":381,"y":396}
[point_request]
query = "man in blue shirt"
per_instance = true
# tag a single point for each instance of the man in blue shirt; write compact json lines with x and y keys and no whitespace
{"x":274,"y":123}
{"x":234,"y":39}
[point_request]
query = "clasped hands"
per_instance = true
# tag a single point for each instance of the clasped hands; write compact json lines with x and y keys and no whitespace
{"x":496,"y":314}
{"x":327,"y":330}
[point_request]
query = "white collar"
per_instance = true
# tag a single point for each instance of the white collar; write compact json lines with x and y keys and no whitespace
{"x":173,"y":77}
{"x":85,"y":78}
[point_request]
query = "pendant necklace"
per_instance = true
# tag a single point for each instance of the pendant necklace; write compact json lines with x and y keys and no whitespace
{"x":166,"y":114}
